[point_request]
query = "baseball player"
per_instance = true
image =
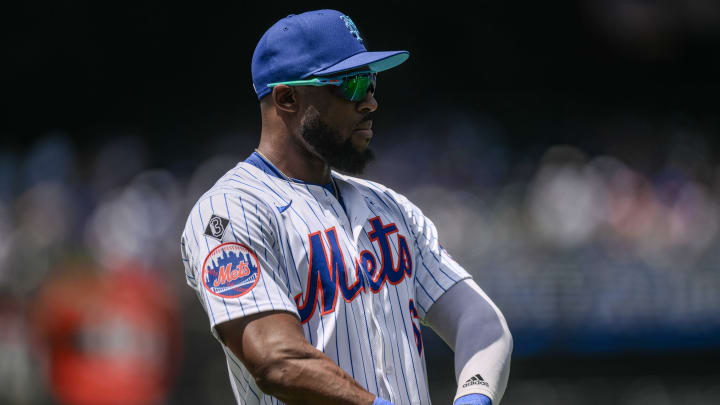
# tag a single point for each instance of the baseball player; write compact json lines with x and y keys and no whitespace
{"x":315,"y":282}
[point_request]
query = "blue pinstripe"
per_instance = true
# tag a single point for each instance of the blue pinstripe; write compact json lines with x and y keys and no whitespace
{"x":227,"y":209}
{"x":302,"y":241}
{"x":431,"y":252}
{"x":419,"y":250}
{"x":247,"y":229}
{"x":402,"y":369}
{"x":362,"y":359}
{"x":212,"y":209}
{"x":287,"y":275}
{"x":322,"y":322}
{"x":183,"y":247}
{"x":410,"y":293}
{"x":402,"y":315}
{"x":410,"y":344}
{"x":367,"y":332}
{"x":347,"y":237}
{"x":208,"y":248}
{"x":243,"y":375}
{"x":320,"y":319}
{"x":300,"y":284}
{"x":357,"y":333}
{"x":284,"y":201}
{"x":262,"y":235}
{"x":347,"y":334}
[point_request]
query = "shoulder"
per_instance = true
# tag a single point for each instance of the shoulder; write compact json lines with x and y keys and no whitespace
{"x":376,"y":193}
{"x":237,"y":207}
{"x":246,"y":182}
{"x":244,"y":187}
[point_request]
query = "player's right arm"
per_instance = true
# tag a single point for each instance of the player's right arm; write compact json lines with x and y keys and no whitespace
{"x":234,"y":257}
{"x":285,"y":365}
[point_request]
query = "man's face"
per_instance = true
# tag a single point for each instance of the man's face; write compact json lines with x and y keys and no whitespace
{"x":338,"y":130}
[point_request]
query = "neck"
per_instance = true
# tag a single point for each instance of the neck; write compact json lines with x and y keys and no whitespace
{"x":294,"y":160}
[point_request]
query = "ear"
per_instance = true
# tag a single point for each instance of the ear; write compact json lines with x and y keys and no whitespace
{"x":285,"y":98}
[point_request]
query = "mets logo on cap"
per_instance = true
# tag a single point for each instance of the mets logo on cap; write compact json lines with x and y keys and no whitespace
{"x":351,"y":27}
{"x":230,"y":270}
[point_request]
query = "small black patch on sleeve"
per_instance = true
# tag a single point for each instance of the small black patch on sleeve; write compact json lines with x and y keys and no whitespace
{"x":216,"y":227}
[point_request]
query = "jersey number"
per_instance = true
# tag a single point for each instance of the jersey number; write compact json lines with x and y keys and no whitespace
{"x":416,"y":329}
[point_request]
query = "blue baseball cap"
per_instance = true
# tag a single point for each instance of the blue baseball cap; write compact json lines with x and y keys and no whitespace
{"x":315,"y":43}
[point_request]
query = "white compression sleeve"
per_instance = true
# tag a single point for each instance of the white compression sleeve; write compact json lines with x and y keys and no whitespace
{"x":470,"y":323}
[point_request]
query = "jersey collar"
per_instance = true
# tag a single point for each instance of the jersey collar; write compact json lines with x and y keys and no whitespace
{"x":258,"y":161}
{"x":267,"y":167}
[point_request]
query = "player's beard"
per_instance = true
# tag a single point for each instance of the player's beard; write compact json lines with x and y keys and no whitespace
{"x":325,"y":141}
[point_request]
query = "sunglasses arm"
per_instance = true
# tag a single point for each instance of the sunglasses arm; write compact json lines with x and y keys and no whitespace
{"x":324,"y":81}
{"x":313,"y":82}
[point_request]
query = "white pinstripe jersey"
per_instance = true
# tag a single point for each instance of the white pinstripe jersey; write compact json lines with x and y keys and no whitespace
{"x":360,"y":279}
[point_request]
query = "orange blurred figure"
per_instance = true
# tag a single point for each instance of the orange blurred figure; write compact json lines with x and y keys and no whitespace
{"x":111,"y":338}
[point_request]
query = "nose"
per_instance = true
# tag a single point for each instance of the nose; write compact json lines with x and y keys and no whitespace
{"x":368,"y":104}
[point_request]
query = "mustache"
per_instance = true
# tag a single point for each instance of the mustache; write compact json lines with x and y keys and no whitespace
{"x":369,"y":117}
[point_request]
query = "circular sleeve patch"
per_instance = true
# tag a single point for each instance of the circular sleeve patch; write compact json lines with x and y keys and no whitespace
{"x":230,"y":270}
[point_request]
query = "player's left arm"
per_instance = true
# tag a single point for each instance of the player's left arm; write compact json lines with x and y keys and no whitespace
{"x":449,"y":301}
{"x":470,"y":323}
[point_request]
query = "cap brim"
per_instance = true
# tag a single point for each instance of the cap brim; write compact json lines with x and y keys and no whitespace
{"x":376,"y":61}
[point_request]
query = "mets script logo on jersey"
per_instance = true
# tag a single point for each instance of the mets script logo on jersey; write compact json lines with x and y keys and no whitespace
{"x":327,"y":273}
{"x":230,"y":270}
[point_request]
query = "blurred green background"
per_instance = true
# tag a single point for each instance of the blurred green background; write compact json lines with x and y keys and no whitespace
{"x":567,"y":152}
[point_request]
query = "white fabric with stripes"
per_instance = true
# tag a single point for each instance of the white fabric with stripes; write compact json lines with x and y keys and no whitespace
{"x":372,"y":336}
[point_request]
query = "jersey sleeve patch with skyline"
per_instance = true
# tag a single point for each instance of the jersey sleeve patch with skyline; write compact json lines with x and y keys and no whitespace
{"x":230,"y":270}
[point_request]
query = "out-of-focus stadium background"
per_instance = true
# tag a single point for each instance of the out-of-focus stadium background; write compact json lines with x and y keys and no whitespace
{"x":567,"y":152}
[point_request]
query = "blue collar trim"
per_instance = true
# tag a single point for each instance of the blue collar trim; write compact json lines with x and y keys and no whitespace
{"x":258,"y":161}
{"x":263,"y":164}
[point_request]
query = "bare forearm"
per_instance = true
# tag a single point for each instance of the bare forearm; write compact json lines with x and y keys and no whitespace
{"x":312,"y":379}
{"x":285,"y":365}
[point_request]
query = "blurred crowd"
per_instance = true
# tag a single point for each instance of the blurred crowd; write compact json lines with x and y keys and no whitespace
{"x":582,"y":252}
{"x":571,"y":244}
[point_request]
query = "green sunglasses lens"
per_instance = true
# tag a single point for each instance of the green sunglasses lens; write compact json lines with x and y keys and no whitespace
{"x":355,"y":88}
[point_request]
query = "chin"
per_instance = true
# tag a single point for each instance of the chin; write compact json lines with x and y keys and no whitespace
{"x":360,"y":144}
